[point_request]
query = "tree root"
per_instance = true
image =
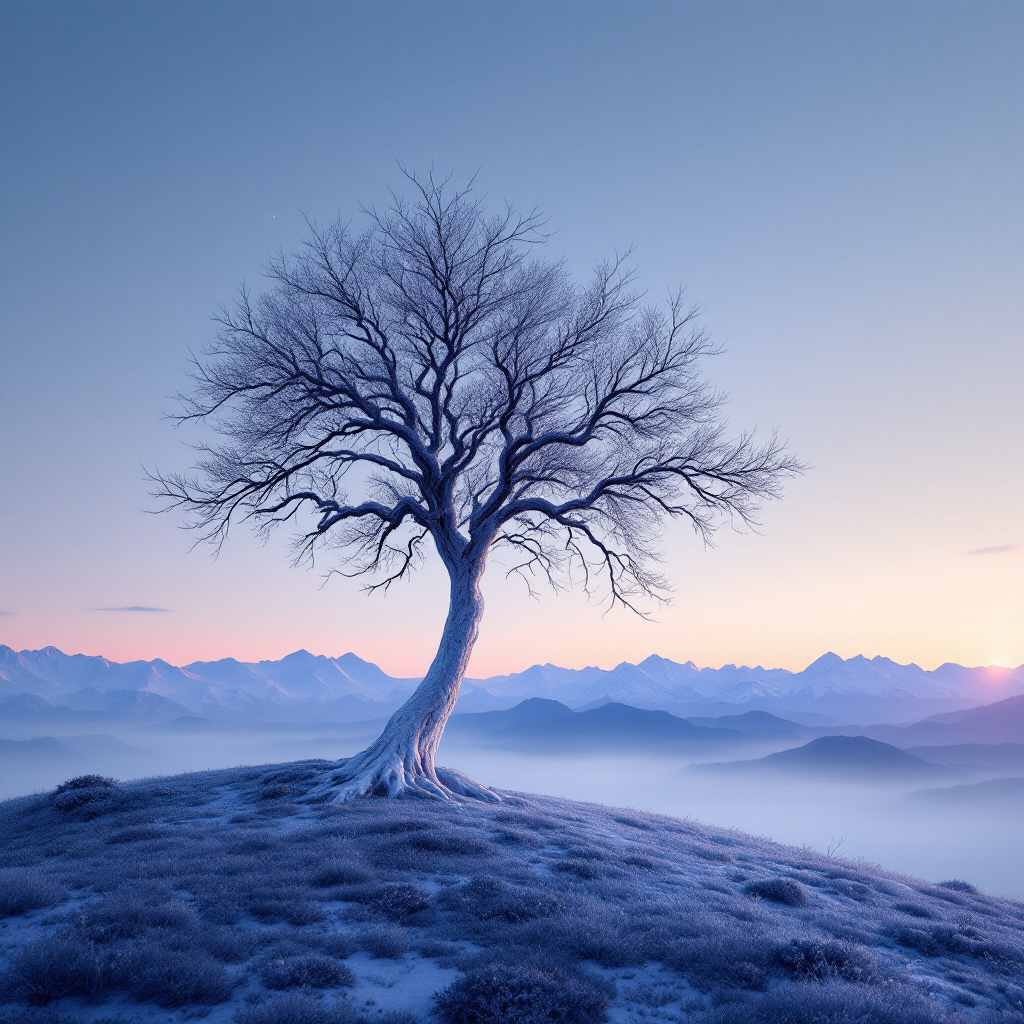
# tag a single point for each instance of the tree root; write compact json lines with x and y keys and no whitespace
{"x":393,"y":779}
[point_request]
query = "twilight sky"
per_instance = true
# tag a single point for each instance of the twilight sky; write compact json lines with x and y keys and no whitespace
{"x":839,"y":185}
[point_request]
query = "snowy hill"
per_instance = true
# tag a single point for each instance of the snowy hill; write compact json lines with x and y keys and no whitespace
{"x":306,"y":687}
{"x":226,"y":896}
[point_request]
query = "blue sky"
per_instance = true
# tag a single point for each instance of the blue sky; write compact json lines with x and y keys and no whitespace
{"x":838,"y":185}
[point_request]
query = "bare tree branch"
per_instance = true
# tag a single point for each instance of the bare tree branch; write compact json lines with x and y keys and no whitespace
{"x":466,"y":393}
{"x":476,"y":391}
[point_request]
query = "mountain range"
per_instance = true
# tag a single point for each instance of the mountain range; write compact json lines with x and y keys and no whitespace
{"x":989,"y":737}
{"x":306,"y":687}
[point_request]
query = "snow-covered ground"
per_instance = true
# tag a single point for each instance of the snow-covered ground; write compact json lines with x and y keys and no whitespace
{"x":225,"y":895}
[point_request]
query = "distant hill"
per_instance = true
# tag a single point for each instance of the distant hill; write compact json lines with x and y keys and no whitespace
{"x":1001,"y":722}
{"x":27,"y":763}
{"x":1000,"y":795}
{"x":43,"y":748}
{"x":144,"y":706}
{"x":844,"y":758}
{"x":757,"y":723}
{"x":27,"y":704}
{"x":304,"y":687}
{"x":974,"y":755}
{"x":539,"y":725}
{"x":114,"y":705}
{"x":28,"y":711}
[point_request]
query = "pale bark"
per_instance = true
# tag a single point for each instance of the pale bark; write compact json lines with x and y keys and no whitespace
{"x":400,"y":762}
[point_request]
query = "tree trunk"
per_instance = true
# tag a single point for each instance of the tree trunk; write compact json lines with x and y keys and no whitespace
{"x":400,"y":762}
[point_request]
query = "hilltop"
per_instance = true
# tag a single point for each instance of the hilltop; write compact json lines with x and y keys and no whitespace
{"x":225,"y":894}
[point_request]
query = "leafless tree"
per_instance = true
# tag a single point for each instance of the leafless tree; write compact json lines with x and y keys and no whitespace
{"x":431,"y":380}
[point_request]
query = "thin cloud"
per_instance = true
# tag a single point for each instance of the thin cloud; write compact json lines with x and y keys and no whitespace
{"x":132,"y":608}
{"x":999,"y":549}
{"x":6,"y":613}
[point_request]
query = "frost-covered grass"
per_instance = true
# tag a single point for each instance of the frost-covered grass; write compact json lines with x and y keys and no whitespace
{"x":224,"y":894}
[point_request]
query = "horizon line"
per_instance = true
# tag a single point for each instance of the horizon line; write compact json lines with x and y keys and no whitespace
{"x":471,"y":678}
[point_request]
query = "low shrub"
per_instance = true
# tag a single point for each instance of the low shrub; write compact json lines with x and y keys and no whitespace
{"x":396,"y":901}
{"x":62,"y":963}
{"x":229,"y":945}
{"x":587,"y":869}
{"x":86,"y":793}
{"x":711,"y":853}
{"x":339,"y":873}
{"x":634,"y":822}
{"x":820,"y":958}
{"x":136,"y":834}
{"x":335,"y":944}
{"x":294,"y":911}
{"x":642,"y":863}
{"x":516,"y":837}
{"x":132,"y":910}
{"x":488,"y":899}
{"x":384,"y":942}
{"x":277,"y":791}
{"x":507,"y":994}
{"x":852,"y":890}
{"x":959,"y":885}
{"x":600,"y":935}
{"x":438,"y":949}
{"x":786,"y":891}
{"x":25,"y":889}
{"x":585,"y":853}
{"x":714,"y":957}
{"x":947,"y":895}
{"x":252,"y":842}
{"x":414,"y":850}
{"x":947,"y":940}
{"x":913,"y":910}
{"x":170,"y":978}
{"x":396,"y":828}
{"x":310,"y":970}
{"x":524,"y":819}
{"x":449,"y":842}
{"x":835,"y":1002}
{"x":295,"y":1008}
